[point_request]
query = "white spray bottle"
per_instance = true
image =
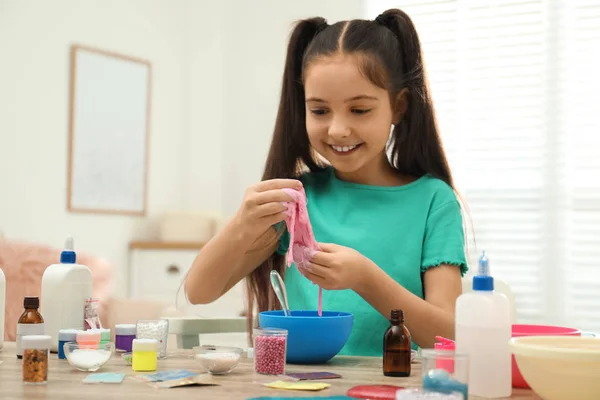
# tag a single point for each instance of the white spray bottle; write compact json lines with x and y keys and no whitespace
{"x":65,"y":288}
{"x":483,"y":331}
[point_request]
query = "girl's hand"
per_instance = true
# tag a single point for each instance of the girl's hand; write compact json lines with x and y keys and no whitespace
{"x":264,"y":206}
{"x":336,"y":267}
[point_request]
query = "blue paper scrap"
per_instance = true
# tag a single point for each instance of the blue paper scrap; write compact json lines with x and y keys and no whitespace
{"x":104,"y":377}
{"x":168,"y":375}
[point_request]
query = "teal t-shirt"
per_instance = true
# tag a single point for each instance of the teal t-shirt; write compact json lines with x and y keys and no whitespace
{"x":403,"y":229}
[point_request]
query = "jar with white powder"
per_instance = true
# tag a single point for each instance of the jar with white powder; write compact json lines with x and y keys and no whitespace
{"x":218,"y":360}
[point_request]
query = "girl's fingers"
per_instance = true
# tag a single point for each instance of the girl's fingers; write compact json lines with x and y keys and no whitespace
{"x":268,"y":209}
{"x":317,"y":270}
{"x":322,"y":258}
{"x":273,"y":184}
{"x":316,"y":279}
{"x":271,"y":220}
{"x":272,"y":196}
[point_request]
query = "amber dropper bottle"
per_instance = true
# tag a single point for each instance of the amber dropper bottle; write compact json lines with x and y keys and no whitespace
{"x":30,"y":322}
{"x":396,"y":347}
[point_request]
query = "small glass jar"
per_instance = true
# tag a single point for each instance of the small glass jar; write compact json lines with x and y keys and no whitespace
{"x":124,"y":336}
{"x":144,"y":358}
{"x":89,"y":339}
{"x":445,"y":371}
{"x":65,"y":336}
{"x":36,"y":349}
{"x":154,"y":329}
{"x":270,"y":349}
{"x":104,"y":336}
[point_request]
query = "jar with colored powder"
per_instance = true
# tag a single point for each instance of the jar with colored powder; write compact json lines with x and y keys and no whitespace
{"x":89,"y":338}
{"x":145,"y":355}
{"x":36,"y":349}
{"x":104,"y":336}
{"x":270,"y":347}
{"x":124,"y":336}
{"x":66,"y":336}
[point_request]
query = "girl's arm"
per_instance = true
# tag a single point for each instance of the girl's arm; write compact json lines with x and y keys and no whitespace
{"x":425,"y":319}
{"x":225,"y":260}
{"x":243,"y":244}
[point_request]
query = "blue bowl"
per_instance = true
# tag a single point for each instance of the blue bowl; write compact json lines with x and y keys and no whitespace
{"x":311,"y":339}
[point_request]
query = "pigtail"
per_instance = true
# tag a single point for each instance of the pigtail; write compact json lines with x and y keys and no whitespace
{"x":290,"y":147}
{"x":416,"y":146}
{"x":289,"y":152}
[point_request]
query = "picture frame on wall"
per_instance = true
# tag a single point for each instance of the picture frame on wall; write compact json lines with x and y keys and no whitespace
{"x":109,"y":132}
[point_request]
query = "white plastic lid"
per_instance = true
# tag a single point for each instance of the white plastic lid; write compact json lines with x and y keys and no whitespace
{"x":38,"y":342}
{"x":125,"y":329}
{"x":145,"y":345}
{"x":68,"y":335}
{"x":104,"y":333}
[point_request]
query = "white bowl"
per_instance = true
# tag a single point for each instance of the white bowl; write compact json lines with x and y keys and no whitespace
{"x":218,"y":360}
{"x":89,"y":358}
{"x":560,"y":367}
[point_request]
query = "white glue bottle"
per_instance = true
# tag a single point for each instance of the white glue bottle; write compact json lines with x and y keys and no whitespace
{"x":483,"y":331}
{"x":2,"y":306}
{"x":65,"y":288}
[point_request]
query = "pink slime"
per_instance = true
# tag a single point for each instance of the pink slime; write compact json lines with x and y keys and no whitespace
{"x":302,"y":240}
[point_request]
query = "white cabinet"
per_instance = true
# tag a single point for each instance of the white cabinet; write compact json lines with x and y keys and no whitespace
{"x":157,"y":272}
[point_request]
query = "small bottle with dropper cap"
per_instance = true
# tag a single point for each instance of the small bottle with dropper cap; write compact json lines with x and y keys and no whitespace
{"x":30,"y":322}
{"x":65,"y":288}
{"x":482,"y":332}
{"x":397,"y":347}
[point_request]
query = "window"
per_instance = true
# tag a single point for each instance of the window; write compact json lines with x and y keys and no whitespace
{"x":516,"y":87}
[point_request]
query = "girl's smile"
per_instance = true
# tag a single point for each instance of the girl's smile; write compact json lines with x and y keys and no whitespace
{"x":345,"y":150}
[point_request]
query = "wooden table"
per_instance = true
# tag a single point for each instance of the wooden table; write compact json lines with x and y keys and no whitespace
{"x":64,"y":382}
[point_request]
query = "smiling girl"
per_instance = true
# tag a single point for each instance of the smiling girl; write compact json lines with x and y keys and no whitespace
{"x":356,"y":129}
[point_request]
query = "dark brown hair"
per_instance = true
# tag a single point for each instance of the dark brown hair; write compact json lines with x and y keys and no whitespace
{"x":390,"y":55}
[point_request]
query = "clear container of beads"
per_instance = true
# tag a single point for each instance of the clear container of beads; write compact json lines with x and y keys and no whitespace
{"x":154,"y":329}
{"x":35,"y":359}
{"x":270,"y":347}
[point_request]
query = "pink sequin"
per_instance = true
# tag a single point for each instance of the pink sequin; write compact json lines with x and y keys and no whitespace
{"x":303,"y":245}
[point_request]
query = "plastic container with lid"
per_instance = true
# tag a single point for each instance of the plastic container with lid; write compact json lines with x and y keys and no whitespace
{"x":36,"y":349}
{"x":124,"y":336}
{"x":482,"y":332}
{"x":104,"y":336}
{"x":448,"y":345}
{"x":65,"y":336}
{"x":145,"y":355}
{"x":270,"y":346}
{"x":65,"y":287}
{"x":88,"y":338}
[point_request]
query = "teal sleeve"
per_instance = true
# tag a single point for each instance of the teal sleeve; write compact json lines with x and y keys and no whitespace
{"x":284,"y":240}
{"x":444,"y":241}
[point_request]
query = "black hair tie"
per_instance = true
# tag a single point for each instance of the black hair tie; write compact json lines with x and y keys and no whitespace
{"x":384,"y":20}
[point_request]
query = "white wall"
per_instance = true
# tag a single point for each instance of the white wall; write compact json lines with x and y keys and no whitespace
{"x":35,"y":37}
{"x":217,"y":68}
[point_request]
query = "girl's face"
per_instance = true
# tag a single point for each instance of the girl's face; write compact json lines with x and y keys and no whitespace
{"x":348,"y":119}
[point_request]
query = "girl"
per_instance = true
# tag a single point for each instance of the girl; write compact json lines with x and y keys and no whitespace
{"x":356,"y":130}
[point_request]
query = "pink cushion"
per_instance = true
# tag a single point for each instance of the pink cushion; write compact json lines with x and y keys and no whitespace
{"x":24,"y":264}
